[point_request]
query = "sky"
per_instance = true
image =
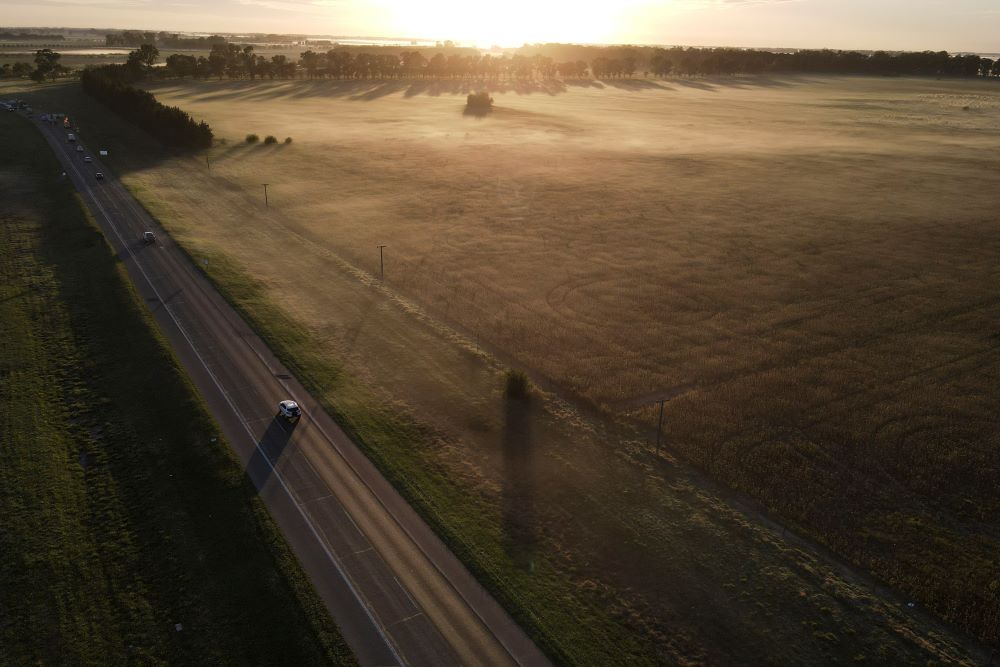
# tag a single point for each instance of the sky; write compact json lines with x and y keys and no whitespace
{"x":951,"y":25}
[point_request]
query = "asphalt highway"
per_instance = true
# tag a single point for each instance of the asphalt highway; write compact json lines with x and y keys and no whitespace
{"x":396,"y":592}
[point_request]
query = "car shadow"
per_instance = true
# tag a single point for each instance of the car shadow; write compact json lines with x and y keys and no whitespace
{"x":270,"y":446}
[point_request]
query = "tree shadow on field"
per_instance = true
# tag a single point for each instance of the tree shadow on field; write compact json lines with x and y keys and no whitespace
{"x":354,"y":89}
{"x":477,"y":112}
{"x":635,"y":84}
{"x":584,"y":83}
{"x":436,"y":87}
{"x":696,"y":84}
{"x":518,"y":494}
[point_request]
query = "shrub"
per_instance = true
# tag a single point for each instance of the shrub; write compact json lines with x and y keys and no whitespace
{"x":252,"y":138}
{"x":269,"y":139}
{"x":288,"y":140}
{"x":481,"y":100}
{"x":516,"y":384}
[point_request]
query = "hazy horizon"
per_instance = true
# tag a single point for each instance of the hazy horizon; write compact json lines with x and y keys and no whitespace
{"x":919,"y":25}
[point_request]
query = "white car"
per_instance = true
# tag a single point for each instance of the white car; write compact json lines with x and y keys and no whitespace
{"x":289,"y":410}
{"x":79,"y":149}
{"x":87,"y":158}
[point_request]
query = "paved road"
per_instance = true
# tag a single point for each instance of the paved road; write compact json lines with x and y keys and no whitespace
{"x":397,"y":593}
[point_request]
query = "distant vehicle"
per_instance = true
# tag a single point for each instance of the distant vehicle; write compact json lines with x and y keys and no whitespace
{"x":70,"y":137}
{"x":289,"y":410}
{"x":87,"y":158}
{"x":99,"y":176}
{"x":79,"y":149}
{"x":148,"y":237}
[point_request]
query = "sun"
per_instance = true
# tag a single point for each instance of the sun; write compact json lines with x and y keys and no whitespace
{"x":508,"y":23}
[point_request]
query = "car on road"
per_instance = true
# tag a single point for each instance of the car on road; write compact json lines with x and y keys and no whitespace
{"x":289,"y":410}
{"x":87,"y":158}
{"x":70,"y":137}
{"x":148,"y":237}
{"x":99,"y":176}
{"x":79,"y":149}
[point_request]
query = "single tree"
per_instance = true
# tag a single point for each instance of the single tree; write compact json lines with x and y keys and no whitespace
{"x":47,"y":65}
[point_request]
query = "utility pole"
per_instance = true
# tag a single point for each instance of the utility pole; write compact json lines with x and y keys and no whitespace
{"x":381,"y":264}
{"x":208,"y":165}
{"x":265,"y":195}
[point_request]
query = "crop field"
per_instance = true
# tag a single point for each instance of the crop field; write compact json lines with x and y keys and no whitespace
{"x":806,"y":266}
{"x":129,"y":533}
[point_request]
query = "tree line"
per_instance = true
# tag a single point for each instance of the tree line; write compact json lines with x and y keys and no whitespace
{"x":31,"y":36}
{"x":112,"y":86}
{"x":47,"y":67}
{"x":233,"y":61}
{"x":723,"y":61}
{"x":165,"y":39}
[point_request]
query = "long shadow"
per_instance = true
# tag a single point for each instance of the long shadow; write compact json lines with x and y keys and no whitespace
{"x":268,"y":451}
{"x":478,"y":112}
{"x":635,"y":84}
{"x":695,"y":83}
{"x":518,"y":494}
{"x":584,"y":83}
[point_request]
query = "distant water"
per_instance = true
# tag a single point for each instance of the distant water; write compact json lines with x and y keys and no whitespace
{"x":373,"y":41}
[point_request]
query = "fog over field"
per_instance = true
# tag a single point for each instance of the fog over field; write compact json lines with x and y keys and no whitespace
{"x":630,"y":237}
{"x":805,"y":265}
{"x":808,"y":265}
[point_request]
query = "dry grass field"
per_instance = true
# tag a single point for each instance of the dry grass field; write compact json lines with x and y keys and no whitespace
{"x":808,"y":264}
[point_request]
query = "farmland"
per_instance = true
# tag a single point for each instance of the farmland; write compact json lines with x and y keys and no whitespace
{"x":808,"y":265}
{"x":130,"y":533}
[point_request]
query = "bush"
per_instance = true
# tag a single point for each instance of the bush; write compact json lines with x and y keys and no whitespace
{"x":516,"y":384}
{"x":480,"y":100}
{"x":252,"y":138}
{"x":269,"y":139}
{"x":288,"y":140}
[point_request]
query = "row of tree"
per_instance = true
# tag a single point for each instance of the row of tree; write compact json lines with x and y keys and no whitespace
{"x":664,"y":62}
{"x":112,"y":86}
{"x":31,"y":36}
{"x":15,"y":70}
{"x":237,"y":62}
{"x":47,"y":67}
{"x":174,"y":40}
{"x":165,"y":39}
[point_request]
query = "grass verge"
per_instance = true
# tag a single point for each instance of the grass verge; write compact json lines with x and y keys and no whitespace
{"x":130,"y":531}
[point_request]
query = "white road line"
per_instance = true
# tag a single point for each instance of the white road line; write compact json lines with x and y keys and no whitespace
{"x":408,"y":597}
{"x":350,"y":584}
{"x":408,"y":618}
